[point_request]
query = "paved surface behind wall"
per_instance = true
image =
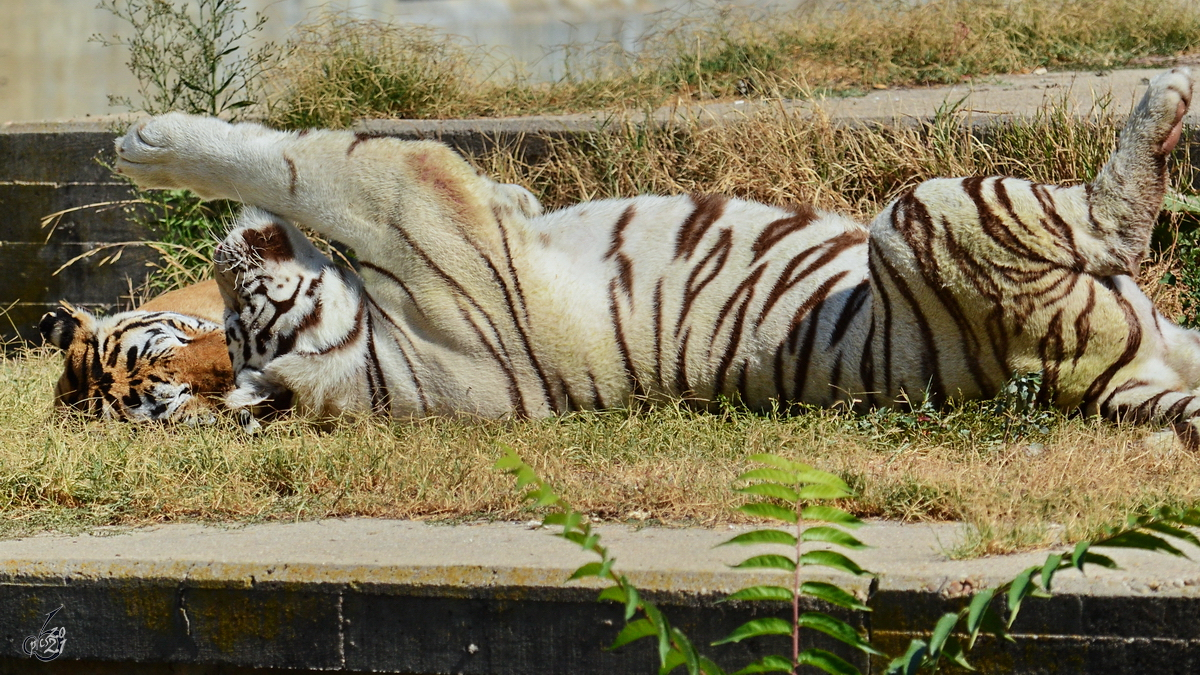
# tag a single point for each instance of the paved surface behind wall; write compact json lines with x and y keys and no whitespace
{"x":396,"y":596}
{"x":980,"y":101}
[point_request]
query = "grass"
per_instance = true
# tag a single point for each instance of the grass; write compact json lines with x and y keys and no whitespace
{"x":339,"y":69}
{"x":1018,"y":480}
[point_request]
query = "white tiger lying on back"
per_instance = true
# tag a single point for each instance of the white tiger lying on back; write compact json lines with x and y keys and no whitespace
{"x":470,"y":301}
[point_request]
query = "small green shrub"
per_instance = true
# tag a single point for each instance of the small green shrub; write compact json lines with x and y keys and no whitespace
{"x":191,"y":56}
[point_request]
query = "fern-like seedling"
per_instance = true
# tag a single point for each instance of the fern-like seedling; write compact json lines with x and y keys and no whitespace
{"x":793,"y":493}
{"x":675,"y":649}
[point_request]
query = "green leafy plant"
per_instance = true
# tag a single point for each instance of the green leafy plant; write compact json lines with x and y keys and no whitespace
{"x":1147,"y":532}
{"x":194,"y":57}
{"x":674,"y":648}
{"x":791,"y":493}
{"x":1179,"y":229}
{"x":191,"y":56}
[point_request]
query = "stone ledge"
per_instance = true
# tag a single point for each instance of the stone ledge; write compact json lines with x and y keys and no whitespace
{"x":397,"y":596}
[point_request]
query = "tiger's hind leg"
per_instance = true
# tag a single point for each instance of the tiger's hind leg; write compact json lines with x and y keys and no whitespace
{"x":1149,"y":402}
{"x":1127,"y":195}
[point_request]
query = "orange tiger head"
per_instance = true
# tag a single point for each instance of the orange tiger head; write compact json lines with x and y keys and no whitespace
{"x":139,"y":365}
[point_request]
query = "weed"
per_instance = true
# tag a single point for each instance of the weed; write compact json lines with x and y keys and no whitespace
{"x":191,"y":56}
{"x":194,"y":57}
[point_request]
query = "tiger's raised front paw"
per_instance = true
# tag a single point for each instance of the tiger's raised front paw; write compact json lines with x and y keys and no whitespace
{"x":1164,"y":106}
{"x":177,"y":151}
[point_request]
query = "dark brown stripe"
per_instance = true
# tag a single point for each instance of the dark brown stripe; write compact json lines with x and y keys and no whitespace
{"x":1061,"y":230}
{"x":985,"y":283}
{"x":682,"y":386}
{"x":362,"y":137}
{"x":515,"y":396}
{"x":745,"y":291}
{"x":991,"y":224}
{"x":394,"y":279}
{"x":778,"y":230}
{"x":618,"y":234}
{"x":408,"y":362}
{"x":718,"y":255}
{"x":932,"y":376}
{"x":551,"y":400}
{"x":1177,"y":408}
{"x":850,"y":309}
{"x":832,"y":248}
{"x":885,"y":302}
{"x":866,"y":367}
{"x":381,"y":398}
{"x":1133,"y":342}
{"x":350,"y":337}
{"x":505,"y":365}
{"x":597,"y":399}
{"x":624,"y":266}
{"x":292,"y":177}
{"x":810,"y":311}
{"x":708,"y":208}
{"x":658,"y":333}
{"x":622,"y":345}
{"x":1124,"y":387}
{"x":835,"y":378}
{"x":1052,"y":352}
{"x":1083,"y":323}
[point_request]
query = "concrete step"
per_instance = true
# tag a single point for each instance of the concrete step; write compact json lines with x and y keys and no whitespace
{"x":410,"y":597}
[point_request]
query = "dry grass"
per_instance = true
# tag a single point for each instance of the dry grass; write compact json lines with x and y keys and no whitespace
{"x":781,"y":156}
{"x":339,"y":69}
{"x":1014,"y":482}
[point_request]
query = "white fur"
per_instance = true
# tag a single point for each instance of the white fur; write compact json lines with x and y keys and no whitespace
{"x":470,"y":301}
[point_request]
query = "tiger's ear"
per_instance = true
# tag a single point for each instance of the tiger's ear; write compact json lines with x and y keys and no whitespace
{"x":63,"y":325}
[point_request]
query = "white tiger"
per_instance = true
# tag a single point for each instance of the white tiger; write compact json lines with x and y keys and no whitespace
{"x":472,"y":301}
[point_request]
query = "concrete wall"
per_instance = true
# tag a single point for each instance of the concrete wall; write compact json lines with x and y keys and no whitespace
{"x":43,"y":170}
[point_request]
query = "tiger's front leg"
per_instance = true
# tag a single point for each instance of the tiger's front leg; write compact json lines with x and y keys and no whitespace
{"x":355,"y":188}
{"x":294,"y":325}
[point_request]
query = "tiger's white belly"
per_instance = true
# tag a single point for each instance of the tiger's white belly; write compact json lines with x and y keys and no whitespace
{"x":733,"y":299}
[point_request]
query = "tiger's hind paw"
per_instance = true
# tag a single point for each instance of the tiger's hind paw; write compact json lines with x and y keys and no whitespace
{"x":1160,"y":113}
